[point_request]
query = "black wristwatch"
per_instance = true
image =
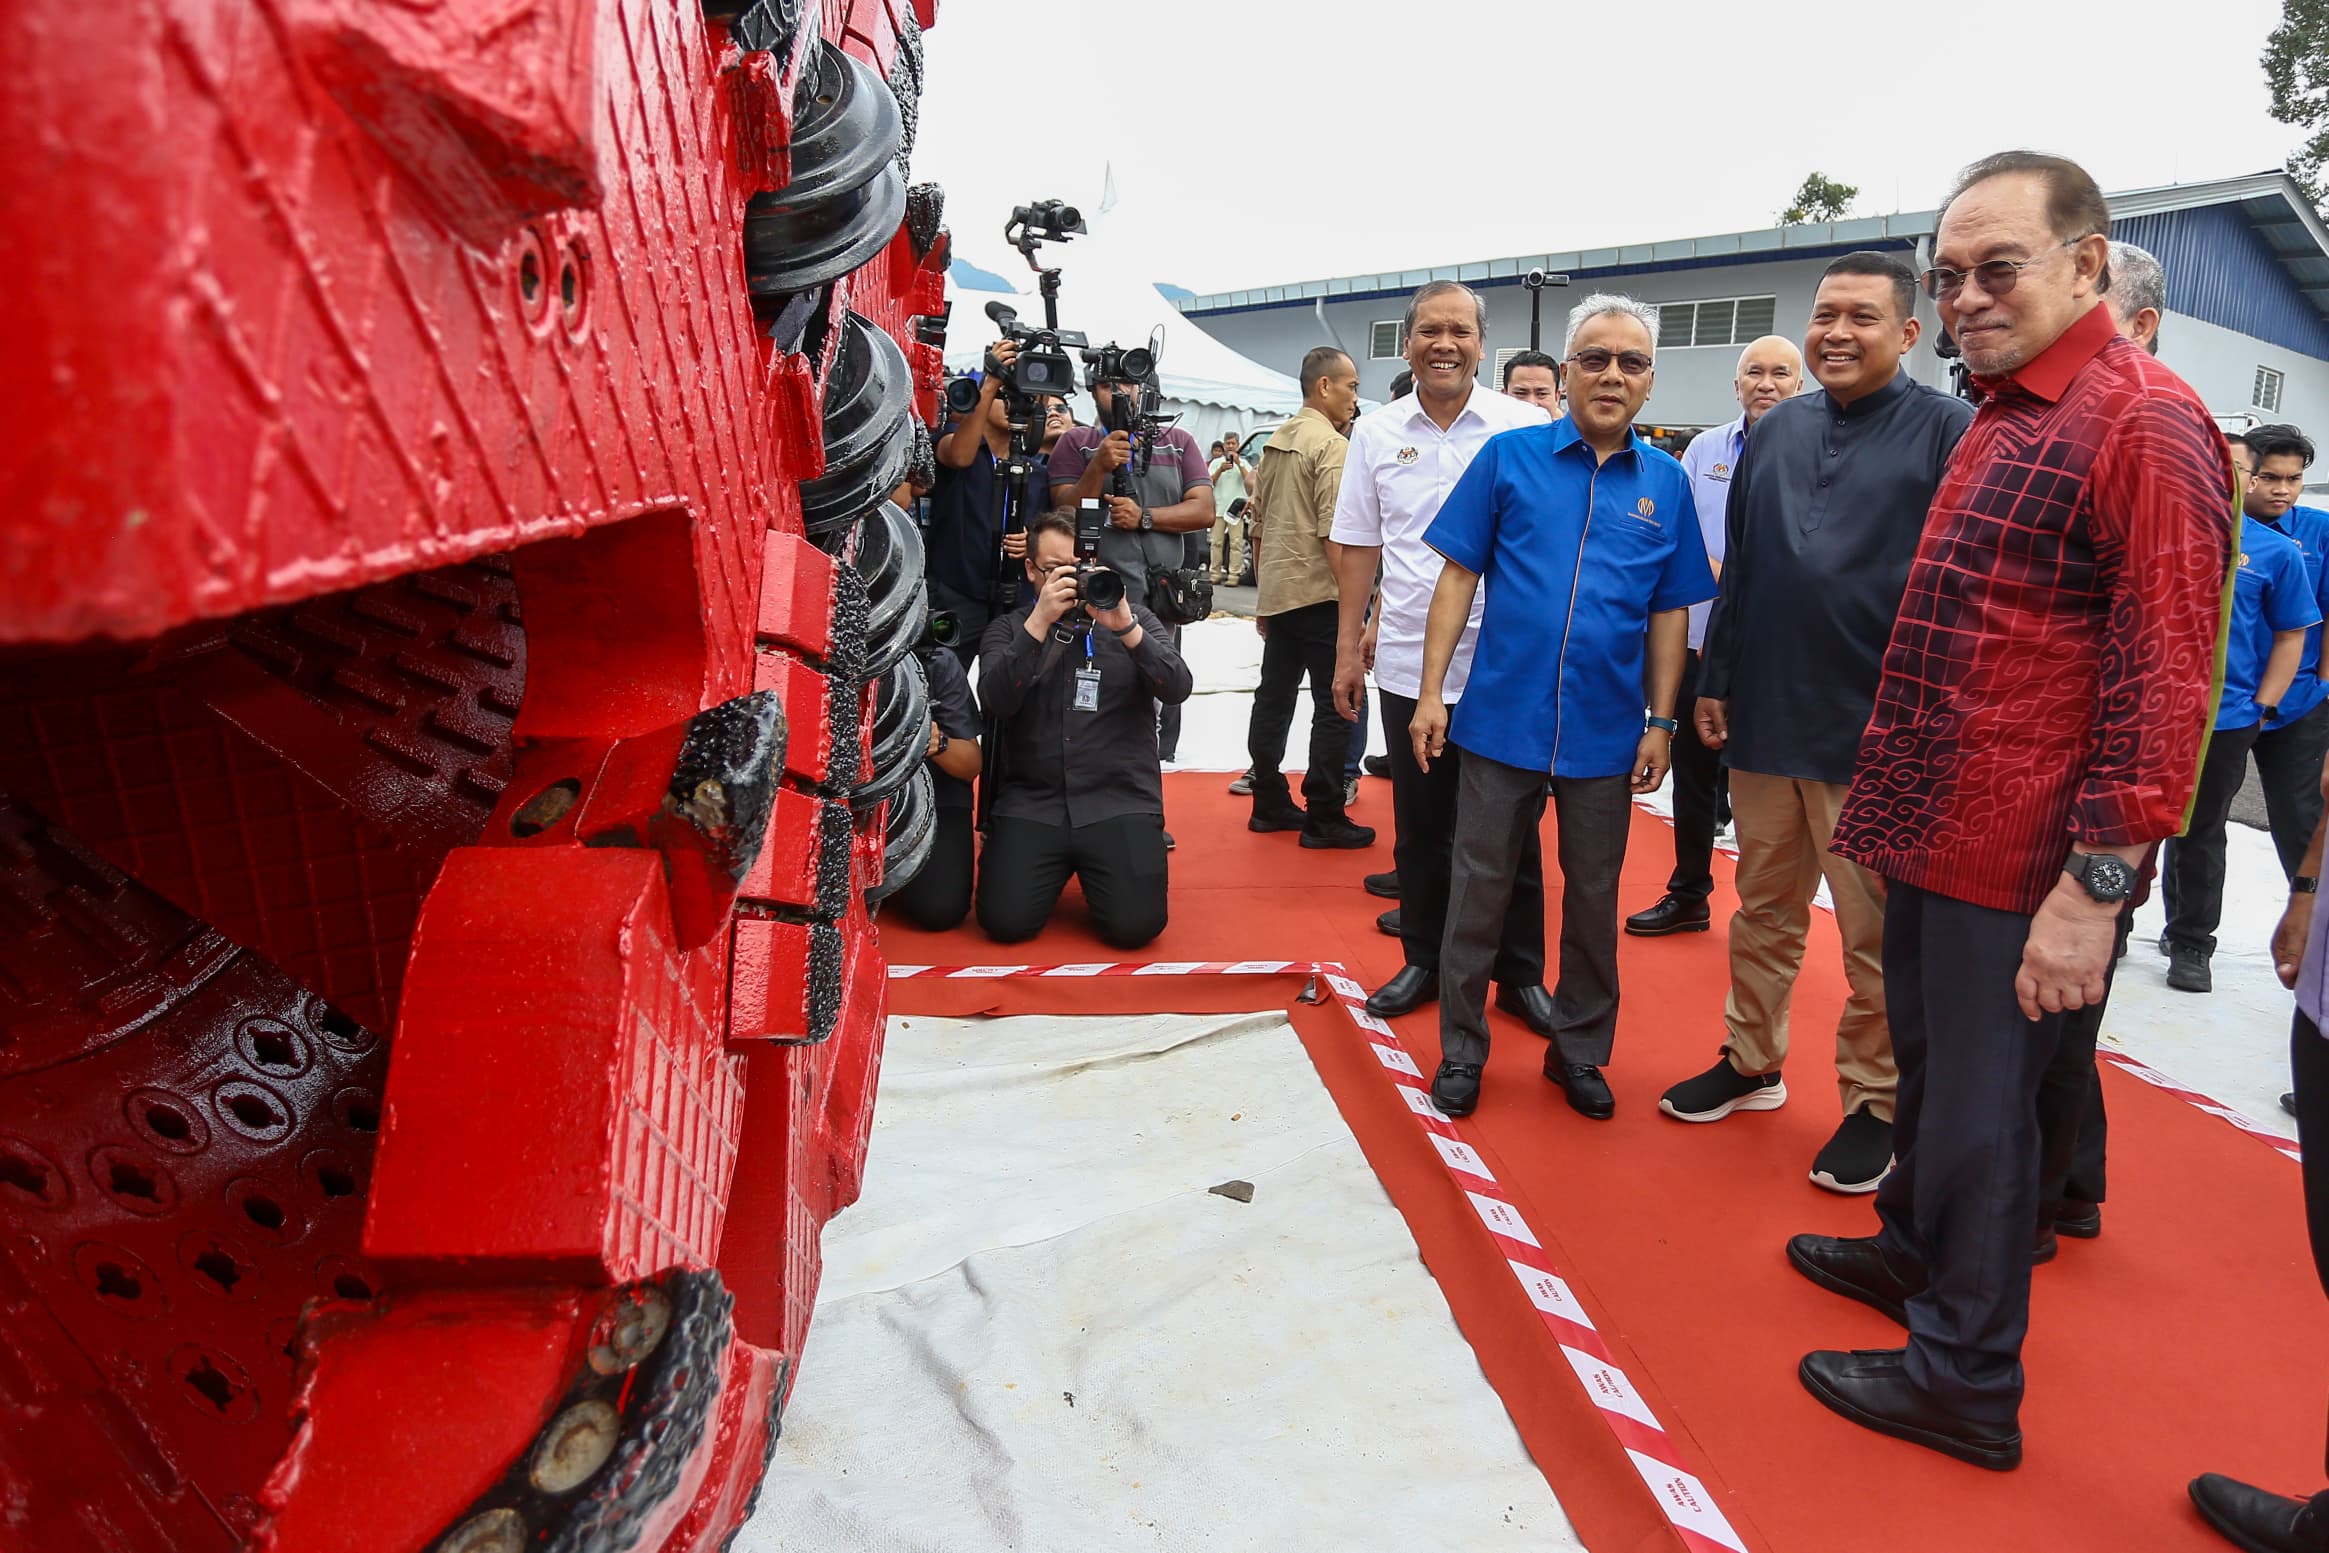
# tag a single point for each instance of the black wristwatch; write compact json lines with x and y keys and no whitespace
{"x":1147,"y":521}
{"x":2106,"y":880}
{"x":2304,"y":884}
{"x":2270,"y":714}
{"x":943,"y":742}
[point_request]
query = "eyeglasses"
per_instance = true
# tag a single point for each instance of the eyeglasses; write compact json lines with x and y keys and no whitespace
{"x":1594,"y":361}
{"x":1997,"y":276}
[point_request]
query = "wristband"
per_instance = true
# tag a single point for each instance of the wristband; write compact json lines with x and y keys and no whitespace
{"x":1667,"y":723}
{"x":2304,"y":884}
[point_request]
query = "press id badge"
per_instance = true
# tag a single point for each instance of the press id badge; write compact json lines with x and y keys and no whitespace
{"x":1087,"y":690}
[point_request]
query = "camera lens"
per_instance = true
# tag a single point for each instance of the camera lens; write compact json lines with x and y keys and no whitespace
{"x":1138,"y":362}
{"x":1102,"y":588}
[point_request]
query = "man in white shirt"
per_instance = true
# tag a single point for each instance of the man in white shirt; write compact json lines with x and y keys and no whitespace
{"x":1404,"y":459}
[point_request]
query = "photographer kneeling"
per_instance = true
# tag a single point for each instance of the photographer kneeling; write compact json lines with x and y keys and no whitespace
{"x":1070,"y":690}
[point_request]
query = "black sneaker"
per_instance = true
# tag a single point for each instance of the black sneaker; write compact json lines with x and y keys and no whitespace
{"x":2187,"y":970}
{"x":1384,"y":885}
{"x":1271,"y":817}
{"x":1719,"y":1091}
{"x":1376,"y":765}
{"x":2288,"y":1102}
{"x":1337,"y":834}
{"x":1169,"y":842}
{"x":1388,"y":923}
{"x":1857,"y":1157}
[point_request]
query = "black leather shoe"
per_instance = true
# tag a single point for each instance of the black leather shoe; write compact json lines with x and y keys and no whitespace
{"x":2080,"y":1221}
{"x":1388,"y":924}
{"x":1532,"y":1003}
{"x":1871,"y":1387}
{"x":2259,"y":1522}
{"x":1455,"y":1088}
{"x":1376,"y":765}
{"x":2045,"y":1248}
{"x":1384,"y":885}
{"x":1587,"y":1090}
{"x":1854,"y":1268}
{"x":1277,"y":816}
{"x":1672,"y":914}
{"x":1336,"y":834}
{"x":1404,"y":993}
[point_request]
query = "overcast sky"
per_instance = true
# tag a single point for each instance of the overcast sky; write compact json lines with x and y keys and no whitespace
{"x":1262,"y":141}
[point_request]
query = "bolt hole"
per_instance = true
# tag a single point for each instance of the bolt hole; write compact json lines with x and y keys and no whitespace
{"x":253,"y":1112}
{"x":115,"y":1282}
{"x":350,"y":1287}
{"x":215,"y":1388}
{"x":168,"y":1123}
{"x":25,"y":1175}
{"x":364,"y":1116}
{"x":336,"y":1182}
{"x":338,"y":1024}
{"x":264,"y":1212}
{"x":530,"y":277}
{"x":546,"y":808}
{"x":219,"y":1268}
{"x":274,"y":1049}
{"x":569,"y":286}
{"x":129,"y":1181}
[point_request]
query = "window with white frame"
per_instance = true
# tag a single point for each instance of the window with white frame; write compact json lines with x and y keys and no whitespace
{"x":1718,"y":321}
{"x":2267,"y":394}
{"x":1387,"y":340}
{"x":1496,"y":368}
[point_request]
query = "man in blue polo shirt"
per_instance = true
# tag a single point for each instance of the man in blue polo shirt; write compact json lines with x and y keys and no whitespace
{"x":2290,"y":750}
{"x":2272,"y":608}
{"x":1588,"y":541}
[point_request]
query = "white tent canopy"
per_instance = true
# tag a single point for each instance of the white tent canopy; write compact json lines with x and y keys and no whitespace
{"x":1210,"y":387}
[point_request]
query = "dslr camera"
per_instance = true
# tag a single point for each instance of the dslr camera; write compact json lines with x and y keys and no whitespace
{"x":1097,"y":587}
{"x":1042,"y":366}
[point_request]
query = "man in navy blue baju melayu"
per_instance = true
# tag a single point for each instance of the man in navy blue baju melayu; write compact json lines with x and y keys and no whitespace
{"x":1589,"y":544}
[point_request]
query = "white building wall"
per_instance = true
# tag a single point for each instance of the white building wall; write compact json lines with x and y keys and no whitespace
{"x":2221,"y":366}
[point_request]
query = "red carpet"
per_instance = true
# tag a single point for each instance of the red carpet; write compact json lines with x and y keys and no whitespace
{"x":2188,"y":1338}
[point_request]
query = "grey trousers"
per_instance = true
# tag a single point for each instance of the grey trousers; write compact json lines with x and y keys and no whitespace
{"x":1497,"y":806}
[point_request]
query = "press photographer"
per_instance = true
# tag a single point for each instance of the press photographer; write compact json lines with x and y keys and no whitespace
{"x":1069,"y":681}
{"x":937,"y":898}
{"x":1166,"y":494}
{"x":966,"y":510}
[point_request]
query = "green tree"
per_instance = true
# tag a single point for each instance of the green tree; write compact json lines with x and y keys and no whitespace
{"x":2296,"y":67}
{"x":1823,"y":199}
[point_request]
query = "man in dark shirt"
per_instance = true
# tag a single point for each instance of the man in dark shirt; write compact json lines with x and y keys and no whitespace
{"x":2037,"y":729}
{"x":938,"y":897}
{"x":964,"y":530}
{"x":1826,"y":506}
{"x":1079,"y":789}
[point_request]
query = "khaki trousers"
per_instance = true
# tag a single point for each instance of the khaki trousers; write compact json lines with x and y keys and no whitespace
{"x":1784,"y":827}
{"x":1229,"y":533}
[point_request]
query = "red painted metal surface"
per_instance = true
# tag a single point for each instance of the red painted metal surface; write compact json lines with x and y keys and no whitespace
{"x":397,"y":470}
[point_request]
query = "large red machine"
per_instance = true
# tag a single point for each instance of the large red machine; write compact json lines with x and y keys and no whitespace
{"x":456,"y":718}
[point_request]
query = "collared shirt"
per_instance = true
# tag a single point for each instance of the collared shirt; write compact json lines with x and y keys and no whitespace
{"x":952,"y":710}
{"x":1229,"y":477}
{"x":2270,"y":594}
{"x":1826,"y":510}
{"x":1710,"y":461}
{"x":1065,"y":767}
{"x":1401,"y":467}
{"x":2050,"y":677}
{"x":1575,"y":553}
{"x":1293,"y":512}
{"x":1175,"y":470}
{"x":965,"y":529}
{"x":2309,"y":527}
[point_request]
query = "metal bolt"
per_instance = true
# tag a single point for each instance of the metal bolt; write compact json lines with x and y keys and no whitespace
{"x":633,"y":1330}
{"x":496,"y":1531}
{"x":577,"y":1443}
{"x":546,"y":808}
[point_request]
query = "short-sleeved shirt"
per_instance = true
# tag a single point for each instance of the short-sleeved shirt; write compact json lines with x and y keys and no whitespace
{"x":1710,"y":460}
{"x":1576,"y":553}
{"x":1175,"y":468}
{"x":2309,"y":527}
{"x":2270,"y":593}
{"x":2051,"y":675}
{"x":1399,"y":469}
{"x":957,"y":717}
{"x":965,"y":525}
{"x":1229,"y":481}
{"x":1293,"y":513}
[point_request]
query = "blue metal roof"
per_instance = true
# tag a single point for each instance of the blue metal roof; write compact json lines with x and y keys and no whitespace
{"x":2248,"y":254}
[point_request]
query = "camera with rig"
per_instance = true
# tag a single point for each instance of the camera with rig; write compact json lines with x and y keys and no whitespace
{"x":1097,"y":586}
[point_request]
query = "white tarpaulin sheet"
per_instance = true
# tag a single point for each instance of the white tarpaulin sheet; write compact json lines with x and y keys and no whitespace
{"x":1039,"y":1331}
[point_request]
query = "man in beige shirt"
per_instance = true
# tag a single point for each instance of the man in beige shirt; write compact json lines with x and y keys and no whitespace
{"x":1292,"y":510}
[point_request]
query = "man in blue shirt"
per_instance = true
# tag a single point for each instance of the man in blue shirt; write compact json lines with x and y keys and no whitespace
{"x":2293,"y":744}
{"x":2273,"y":606}
{"x":1589,"y":543}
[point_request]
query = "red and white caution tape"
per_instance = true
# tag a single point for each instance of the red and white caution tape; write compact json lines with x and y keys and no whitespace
{"x":1688,"y":1507}
{"x":2136,"y":1068}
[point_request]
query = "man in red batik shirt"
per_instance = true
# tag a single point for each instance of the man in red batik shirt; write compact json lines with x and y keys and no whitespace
{"x":2045,"y":698}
